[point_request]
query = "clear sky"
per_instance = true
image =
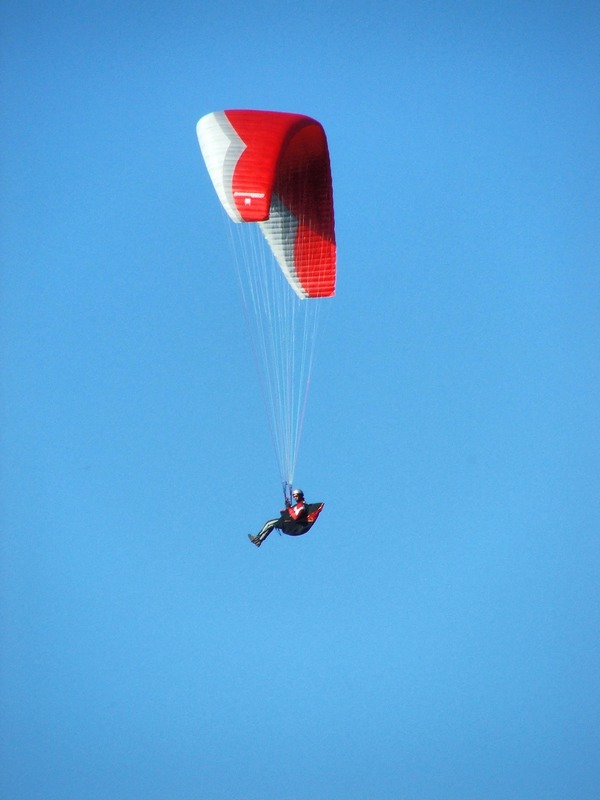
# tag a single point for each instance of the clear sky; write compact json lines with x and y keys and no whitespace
{"x":436,"y":636}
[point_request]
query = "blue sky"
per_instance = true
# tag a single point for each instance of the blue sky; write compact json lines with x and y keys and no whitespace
{"x":437,"y":634}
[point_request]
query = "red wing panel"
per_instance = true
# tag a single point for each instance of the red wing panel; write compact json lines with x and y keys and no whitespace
{"x":263,"y":133}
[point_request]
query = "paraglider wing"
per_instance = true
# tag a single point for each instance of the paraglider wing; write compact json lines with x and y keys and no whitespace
{"x":273,"y":168}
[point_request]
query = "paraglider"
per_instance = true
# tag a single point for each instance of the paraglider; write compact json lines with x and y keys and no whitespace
{"x":294,"y":520}
{"x":272,"y":170}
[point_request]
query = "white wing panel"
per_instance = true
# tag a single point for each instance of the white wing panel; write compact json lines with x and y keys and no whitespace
{"x":280,"y":232}
{"x":221,"y":148}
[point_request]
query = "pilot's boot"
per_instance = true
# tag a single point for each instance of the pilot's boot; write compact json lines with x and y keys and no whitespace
{"x":266,"y":530}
